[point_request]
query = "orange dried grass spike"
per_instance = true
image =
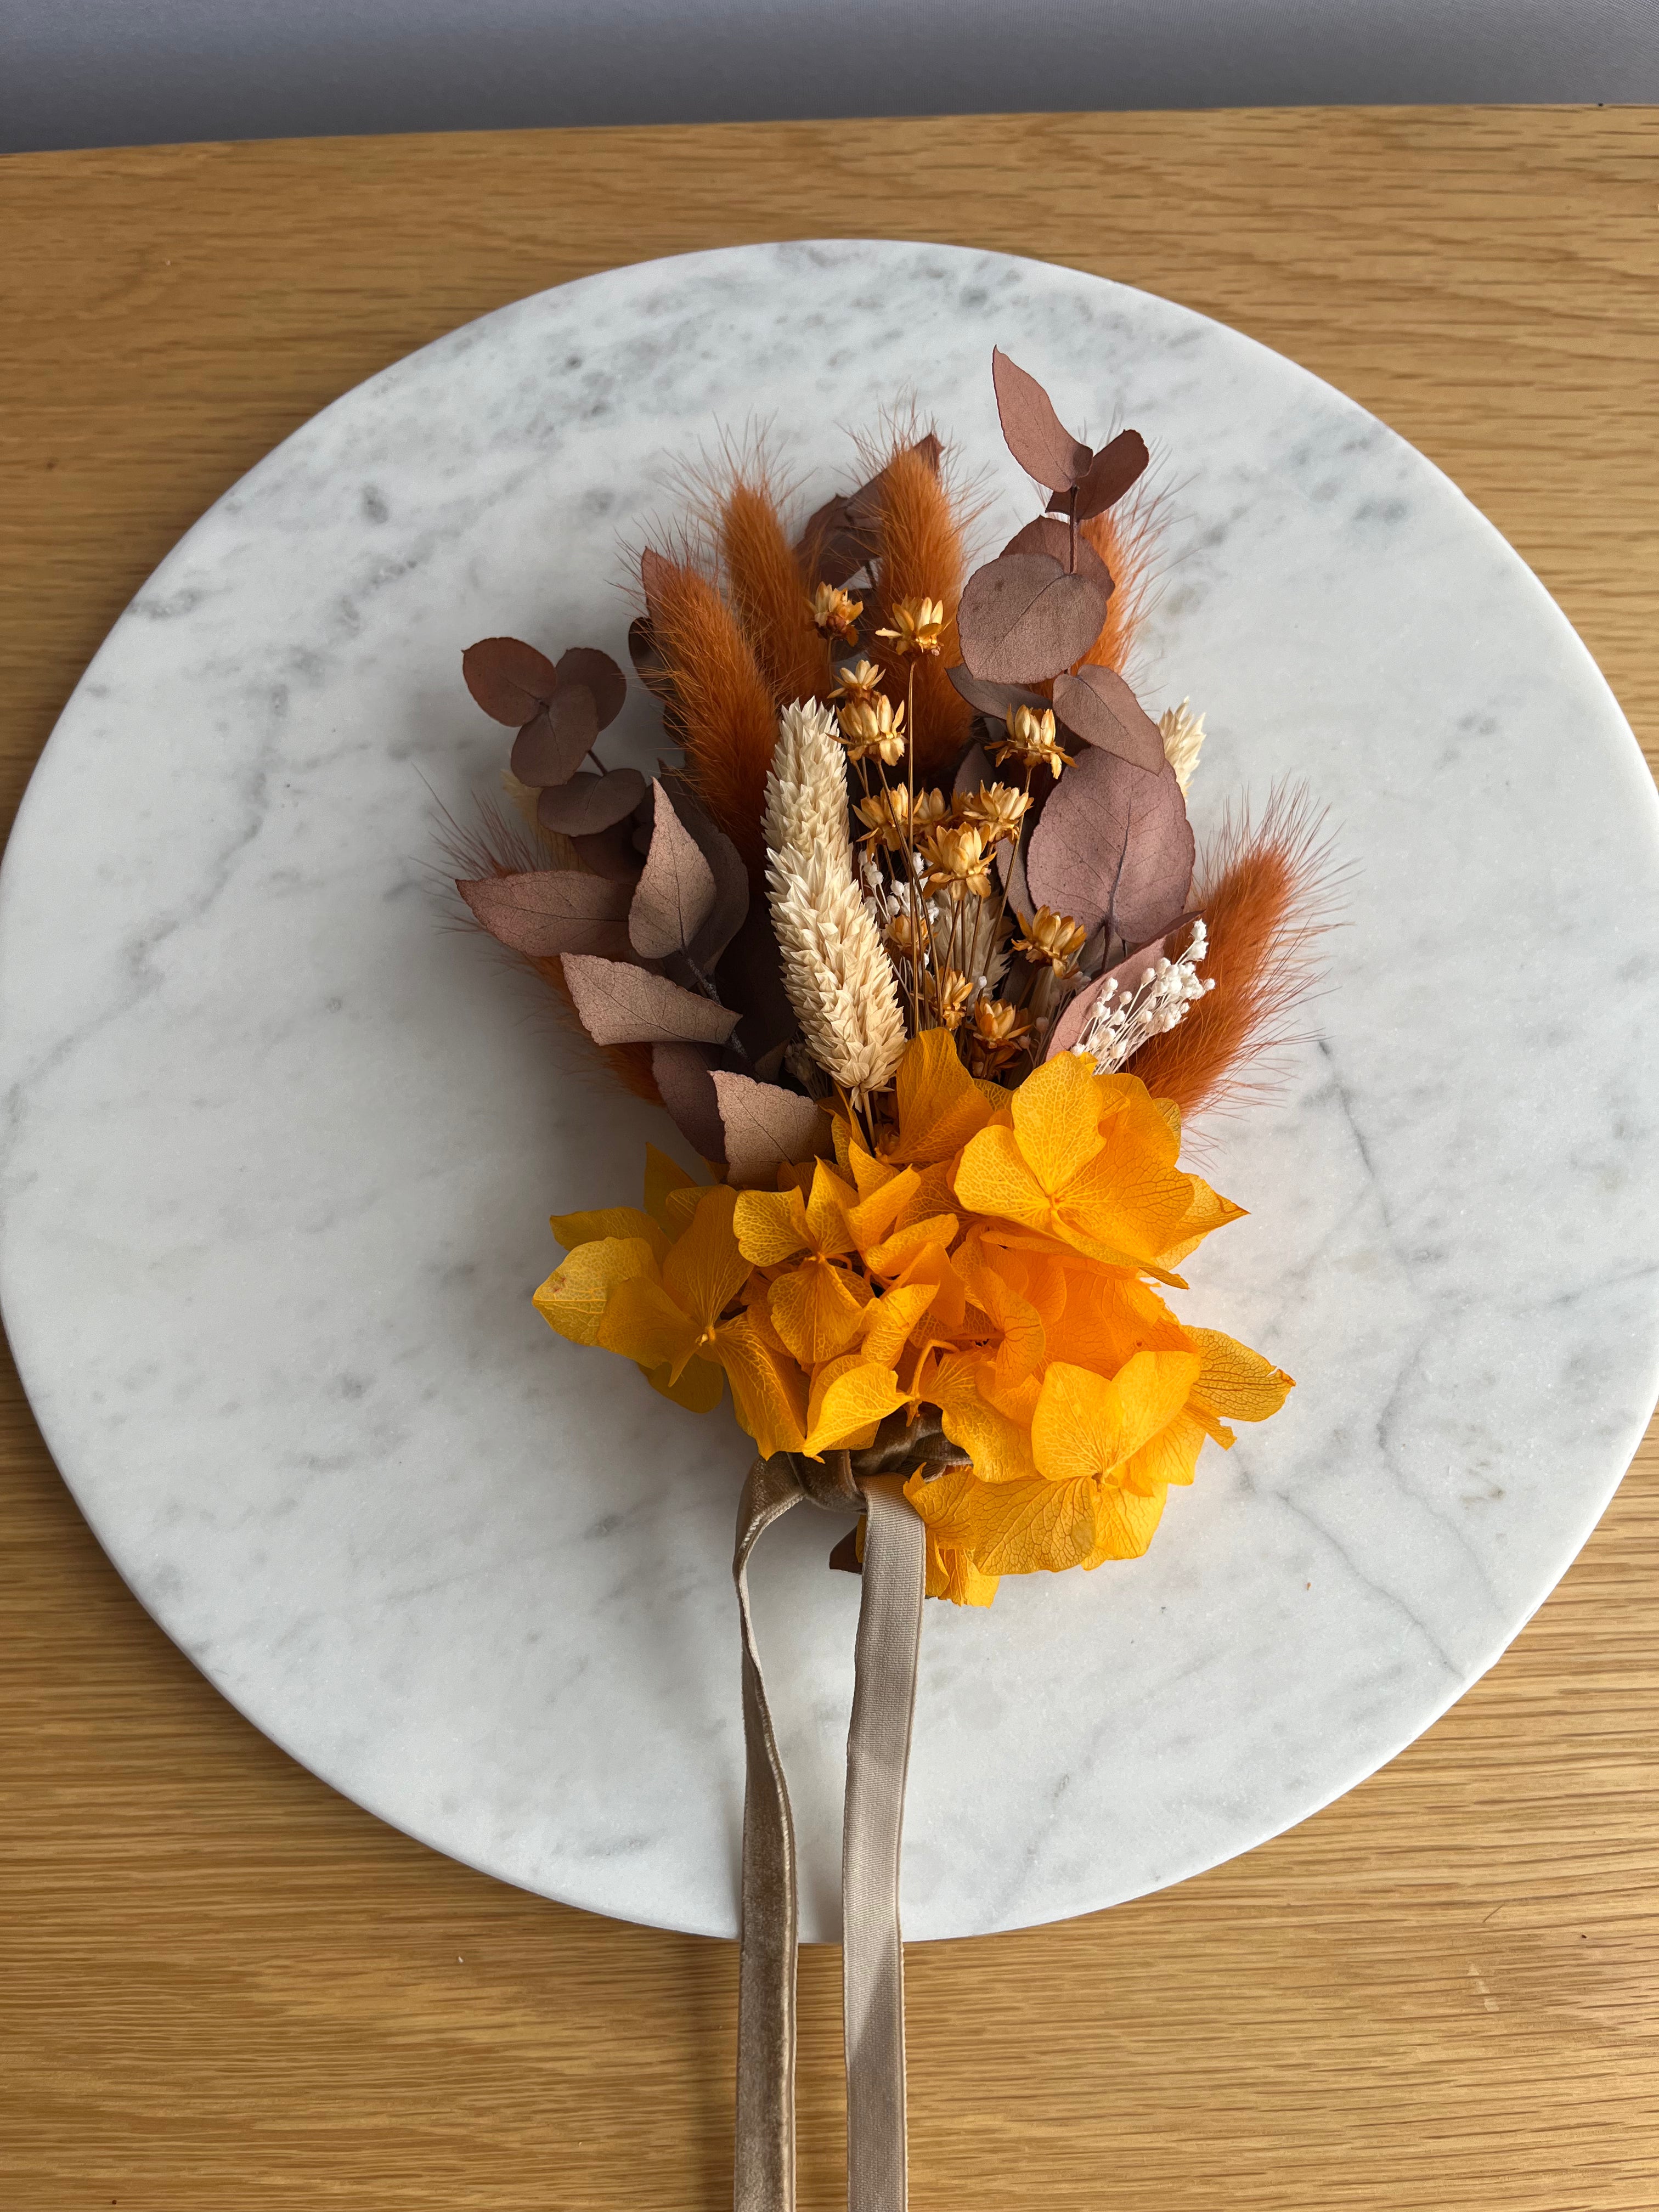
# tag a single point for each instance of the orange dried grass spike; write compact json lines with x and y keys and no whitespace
{"x":1125,"y":537}
{"x":1267,"y":892}
{"x":498,"y":844}
{"x":922,"y":554}
{"x":770,"y":593}
{"x":726,"y":716}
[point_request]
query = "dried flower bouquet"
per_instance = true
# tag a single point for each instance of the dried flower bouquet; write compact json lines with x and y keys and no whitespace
{"x":911,"y":947}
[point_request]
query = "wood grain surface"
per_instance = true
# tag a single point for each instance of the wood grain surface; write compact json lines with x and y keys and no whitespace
{"x":222,"y":1987}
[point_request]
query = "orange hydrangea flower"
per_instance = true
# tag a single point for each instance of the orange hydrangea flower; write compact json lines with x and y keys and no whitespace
{"x":989,"y":1259}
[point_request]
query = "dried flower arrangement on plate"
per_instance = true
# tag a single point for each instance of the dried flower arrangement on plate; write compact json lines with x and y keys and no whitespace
{"x":915,"y":947}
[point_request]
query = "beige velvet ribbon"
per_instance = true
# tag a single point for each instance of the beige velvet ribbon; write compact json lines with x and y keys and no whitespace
{"x":878,"y":1759}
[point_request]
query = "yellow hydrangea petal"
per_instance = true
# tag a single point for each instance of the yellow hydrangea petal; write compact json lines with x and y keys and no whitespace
{"x":816,"y":1310}
{"x":873,"y":1217}
{"x":1000,"y":1447}
{"x":1087,"y":1423}
{"x":1057,"y":1120}
{"x":769,"y":1391}
{"x":1127,"y":1523}
{"x":1207,"y":1212}
{"x":573,"y":1299}
{"x":939,"y":1105}
{"x":700,"y":1389}
{"x":826,"y":1210}
{"x":848,"y":1395}
{"x":1235,"y":1380}
{"x":770,"y":1226}
{"x":885,"y":1324}
{"x":680,"y":1207}
{"x":663,"y":1175}
{"x":868,"y":1173}
{"x":573,"y":1228}
{"x":1029,"y":1526}
{"x":952,"y":1575}
{"x":706,"y":1269}
{"x":893,"y":1256}
{"x":1130,"y":1117}
{"x":1125,"y":1200}
{"x":642,"y":1323}
{"x":993,"y":1177}
{"x":1170,"y":1457}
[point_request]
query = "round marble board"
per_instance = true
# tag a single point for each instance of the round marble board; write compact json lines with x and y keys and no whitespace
{"x":281,"y":1146}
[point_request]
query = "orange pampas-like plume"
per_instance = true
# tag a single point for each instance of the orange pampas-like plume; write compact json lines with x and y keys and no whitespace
{"x":922,"y":554}
{"x":769,"y":592}
{"x":1267,"y":892}
{"x":496,"y":845}
{"x":724,"y":713}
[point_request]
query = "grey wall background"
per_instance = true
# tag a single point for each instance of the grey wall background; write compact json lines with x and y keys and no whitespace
{"x":121,"y":72}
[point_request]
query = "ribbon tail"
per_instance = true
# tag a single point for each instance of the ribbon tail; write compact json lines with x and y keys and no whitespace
{"x":764,"y":2164}
{"x":878,"y":1762}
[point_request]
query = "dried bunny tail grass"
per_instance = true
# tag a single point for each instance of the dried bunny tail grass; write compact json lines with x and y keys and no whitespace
{"x":723,"y":703}
{"x":499,"y":843}
{"x":735,"y":497}
{"x":926,"y":519}
{"x":840,"y":980}
{"x":806,"y":810}
{"x":1268,"y":890}
{"x":1126,"y":537}
{"x":769,"y":592}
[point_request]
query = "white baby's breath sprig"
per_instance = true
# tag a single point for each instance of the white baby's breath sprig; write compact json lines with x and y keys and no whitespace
{"x":1161,"y":999}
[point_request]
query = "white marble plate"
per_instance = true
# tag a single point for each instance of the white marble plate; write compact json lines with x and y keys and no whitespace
{"x":280,"y":1149}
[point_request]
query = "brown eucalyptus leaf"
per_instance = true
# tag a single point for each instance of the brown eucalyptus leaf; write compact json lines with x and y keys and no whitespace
{"x":621,"y":1004}
{"x":726,"y":865}
{"x":1022,"y":618}
{"x":844,"y":534}
{"x":553,"y":743}
{"x":642,"y":650}
{"x":1097,"y":705}
{"x":685,"y":1081}
{"x":1075,"y":1015}
{"x":609,"y":853}
{"x":675,"y":894}
{"x":1050,"y":534}
{"x":1036,"y":436}
{"x":508,"y":679}
{"x":596,"y":672}
{"x":992,"y":699}
{"x":1113,"y":840}
{"x":587,"y":802}
{"x":551,"y":911}
{"x":765,"y":1125}
{"x":751,"y":980}
{"x":973,"y":769}
{"x":1119,"y":464}
{"x":829,"y":549}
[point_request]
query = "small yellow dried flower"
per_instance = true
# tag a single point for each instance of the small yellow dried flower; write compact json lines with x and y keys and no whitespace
{"x":958,"y":861}
{"x":1031,"y":739}
{"x":999,"y":1032}
{"x":997,"y":808}
{"x":873,"y":725}
{"x":1054,"y":937}
{"x":834,"y":611}
{"x":954,"y":995}
{"x":886,"y":816}
{"x":918,"y":625}
{"x":860,"y":683}
{"x":909,"y":934}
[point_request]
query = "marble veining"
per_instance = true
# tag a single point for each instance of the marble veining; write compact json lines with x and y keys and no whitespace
{"x":279,"y":1146}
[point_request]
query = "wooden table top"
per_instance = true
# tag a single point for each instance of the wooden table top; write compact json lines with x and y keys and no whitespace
{"x":226,"y":1988}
